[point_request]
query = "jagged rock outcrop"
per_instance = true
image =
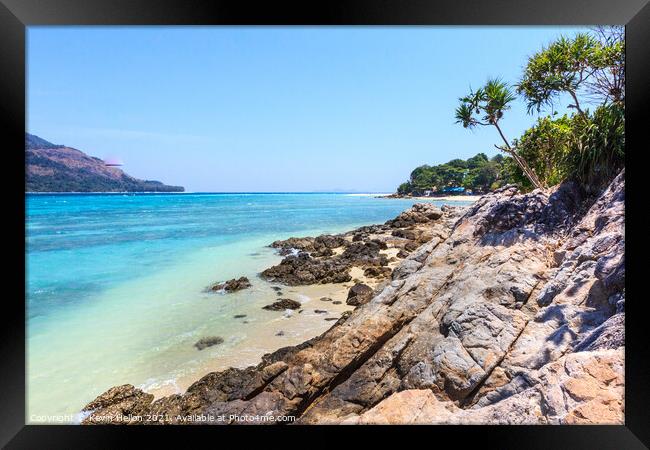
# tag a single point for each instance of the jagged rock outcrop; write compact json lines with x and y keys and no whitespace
{"x":329,"y":258}
{"x":512,"y":313}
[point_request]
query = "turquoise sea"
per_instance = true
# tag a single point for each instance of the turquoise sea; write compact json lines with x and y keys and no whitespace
{"x":115,"y":286}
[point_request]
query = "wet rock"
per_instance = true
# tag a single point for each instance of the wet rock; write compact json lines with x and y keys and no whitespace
{"x":377,"y":272}
{"x":325,"y":299}
{"x":305,"y":244}
{"x":320,"y":311}
{"x":282,"y":304}
{"x":232,"y":285}
{"x":239,"y":316}
{"x":359,"y":294}
{"x":329,"y":241}
{"x":280,"y":333}
{"x":319,"y":246}
{"x":322,"y":253}
{"x":365,"y":253}
{"x":208,"y":342}
{"x":302,"y":269}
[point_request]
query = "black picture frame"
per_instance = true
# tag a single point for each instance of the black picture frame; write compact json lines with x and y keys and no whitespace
{"x":16,"y":15}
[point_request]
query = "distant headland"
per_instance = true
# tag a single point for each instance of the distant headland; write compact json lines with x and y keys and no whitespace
{"x":58,"y":168}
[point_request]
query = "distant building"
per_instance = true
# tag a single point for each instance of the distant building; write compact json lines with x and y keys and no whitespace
{"x":454,"y":190}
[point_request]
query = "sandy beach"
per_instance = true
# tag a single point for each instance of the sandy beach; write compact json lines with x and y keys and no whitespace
{"x":445,"y":198}
{"x":290,"y":328}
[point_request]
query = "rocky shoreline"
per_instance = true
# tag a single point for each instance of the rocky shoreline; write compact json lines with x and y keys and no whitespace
{"x":441,"y":197}
{"x":510,"y":311}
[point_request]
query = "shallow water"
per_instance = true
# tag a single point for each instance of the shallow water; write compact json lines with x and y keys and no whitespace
{"x":115,"y":286}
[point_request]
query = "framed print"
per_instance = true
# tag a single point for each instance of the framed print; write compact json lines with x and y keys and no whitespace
{"x":350,"y":217}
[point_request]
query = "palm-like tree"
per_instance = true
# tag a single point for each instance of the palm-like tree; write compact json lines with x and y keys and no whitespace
{"x":485,"y":107}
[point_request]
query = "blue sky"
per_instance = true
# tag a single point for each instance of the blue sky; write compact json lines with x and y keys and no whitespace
{"x":261,"y":109}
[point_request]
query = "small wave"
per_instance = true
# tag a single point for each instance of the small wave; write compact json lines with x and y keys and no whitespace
{"x":80,"y":416}
{"x":368,"y":194}
{"x":153,"y":384}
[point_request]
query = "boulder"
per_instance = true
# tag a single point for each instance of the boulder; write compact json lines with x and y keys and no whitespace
{"x":302,"y":269}
{"x":232,"y":285}
{"x":282,"y":304}
{"x":377,"y":272}
{"x":359,"y":294}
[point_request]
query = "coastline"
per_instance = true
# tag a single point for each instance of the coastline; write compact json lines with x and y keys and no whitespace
{"x":160,"y":304}
{"x":296,"y":328}
{"x":443,"y":198}
{"x":299,"y":326}
{"x":476,"y":325}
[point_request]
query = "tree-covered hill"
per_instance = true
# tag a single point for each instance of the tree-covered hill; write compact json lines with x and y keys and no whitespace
{"x":57,"y":168}
{"x":478,"y":174}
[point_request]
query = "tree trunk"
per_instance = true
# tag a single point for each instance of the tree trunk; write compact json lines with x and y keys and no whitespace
{"x":530,"y":174}
{"x":577,"y":105}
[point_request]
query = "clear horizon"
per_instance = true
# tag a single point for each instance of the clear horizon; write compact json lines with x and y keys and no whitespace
{"x":272,"y":109}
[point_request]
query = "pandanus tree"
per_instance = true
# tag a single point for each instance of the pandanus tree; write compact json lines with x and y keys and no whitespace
{"x":583,"y":64}
{"x":485,"y":107}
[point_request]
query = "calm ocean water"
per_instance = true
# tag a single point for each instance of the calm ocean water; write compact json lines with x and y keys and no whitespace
{"x":115,"y":283}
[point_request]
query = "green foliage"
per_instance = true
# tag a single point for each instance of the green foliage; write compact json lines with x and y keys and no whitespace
{"x":486,"y":105}
{"x":63,"y":178}
{"x":477,"y":161}
{"x":546,"y":147}
{"x":589,"y":148}
{"x":404,"y":188}
{"x":478,"y":174}
{"x":563,"y":66}
{"x":607,"y":82}
{"x":582,"y":64}
{"x":598,"y":150}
